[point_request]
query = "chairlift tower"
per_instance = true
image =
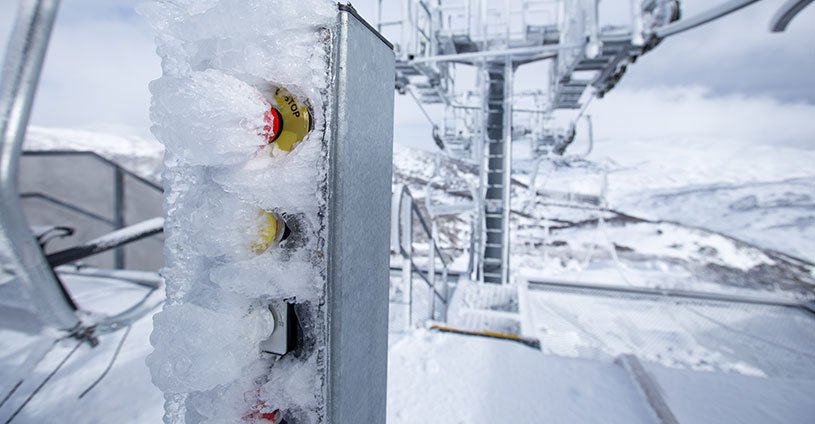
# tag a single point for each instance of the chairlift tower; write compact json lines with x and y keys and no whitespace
{"x":587,"y":60}
{"x":495,"y":38}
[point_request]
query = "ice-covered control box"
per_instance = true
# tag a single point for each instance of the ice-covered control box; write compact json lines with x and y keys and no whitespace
{"x":277,"y":255}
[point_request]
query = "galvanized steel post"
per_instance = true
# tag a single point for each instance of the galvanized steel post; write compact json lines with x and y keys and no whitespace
{"x":21,"y":72}
{"x":359,"y":191}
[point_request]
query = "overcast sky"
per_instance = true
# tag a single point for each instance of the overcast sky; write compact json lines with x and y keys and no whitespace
{"x":730,"y":76}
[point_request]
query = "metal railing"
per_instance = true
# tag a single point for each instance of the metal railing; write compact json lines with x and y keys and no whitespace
{"x":118,"y":220}
{"x":404,"y":212}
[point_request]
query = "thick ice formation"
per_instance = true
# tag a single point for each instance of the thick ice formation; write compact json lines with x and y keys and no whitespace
{"x":220,"y":61}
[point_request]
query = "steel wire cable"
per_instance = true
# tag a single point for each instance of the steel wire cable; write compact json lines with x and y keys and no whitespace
{"x":45,"y":381}
{"x":110,"y":364}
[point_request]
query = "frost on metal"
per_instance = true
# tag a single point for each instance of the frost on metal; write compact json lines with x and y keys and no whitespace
{"x":220,"y":61}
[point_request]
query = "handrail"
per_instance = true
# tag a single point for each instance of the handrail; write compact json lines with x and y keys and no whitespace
{"x":404,"y":211}
{"x":63,"y":204}
{"x":119,"y":174}
{"x":98,"y":157}
{"x":107,"y":242}
{"x":542,"y":284}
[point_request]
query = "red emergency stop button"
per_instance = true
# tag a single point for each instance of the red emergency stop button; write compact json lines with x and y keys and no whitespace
{"x":273,"y":122}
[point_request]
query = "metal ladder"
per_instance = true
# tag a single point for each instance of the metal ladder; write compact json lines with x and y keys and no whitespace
{"x":496,"y":173}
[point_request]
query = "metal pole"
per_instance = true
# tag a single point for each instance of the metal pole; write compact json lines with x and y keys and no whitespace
{"x":407,"y":28}
{"x":637,"y":25}
{"x":379,"y":15}
{"x":432,"y":269}
{"x":508,"y":13}
{"x":551,"y":51}
{"x":119,"y":213}
{"x":446,"y":292}
{"x":788,"y":11}
{"x":478,"y":228}
{"x":407,"y":259}
{"x":591,"y":136}
{"x":707,"y":16}
{"x":21,"y":72}
{"x":594,"y":46}
{"x":467,"y":14}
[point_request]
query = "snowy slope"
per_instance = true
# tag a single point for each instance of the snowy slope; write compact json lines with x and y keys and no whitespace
{"x":445,"y":378}
{"x":138,"y":155}
{"x":559,"y":232}
{"x":756,"y":191}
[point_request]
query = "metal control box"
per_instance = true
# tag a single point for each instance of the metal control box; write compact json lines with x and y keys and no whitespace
{"x":360,"y":146}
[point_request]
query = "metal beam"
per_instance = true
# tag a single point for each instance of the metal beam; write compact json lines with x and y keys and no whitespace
{"x":464,"y":57}
{"x":21,"y":72}
{"x":674,"y":293}
{"x":785,"y":14}
{"x":649,"y":388}
{"x":114,"y":240}
{"x":708,"y":16}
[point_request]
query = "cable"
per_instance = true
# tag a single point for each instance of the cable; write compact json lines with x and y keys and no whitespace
{"x":601,"y":224}
{"x":44,"y":382}
{"x":30,"y":363}
{"x":13,"y":389}
{"x":110,"y":364}
{"x":418,"y":103}
{"x":781,"y":346}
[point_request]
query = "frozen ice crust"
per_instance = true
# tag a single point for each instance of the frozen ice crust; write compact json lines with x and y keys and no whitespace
{"x":220,"y":61}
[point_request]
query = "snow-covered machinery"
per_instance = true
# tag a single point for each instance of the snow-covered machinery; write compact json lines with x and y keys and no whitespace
{"x":277,"y":190}
{"x":281,"y":249}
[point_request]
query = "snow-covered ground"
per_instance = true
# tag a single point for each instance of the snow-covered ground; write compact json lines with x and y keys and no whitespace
{"x":759,"y":192}
{"x":691,"y":215}
{"x":124,"y":395}
{"x":136,"y":154}
{"x":446,"y":378}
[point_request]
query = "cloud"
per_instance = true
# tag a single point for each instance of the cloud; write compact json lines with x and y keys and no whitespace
{"x":735,"y":55}
{"x":694,"y":111}
{"x":100,"y":59}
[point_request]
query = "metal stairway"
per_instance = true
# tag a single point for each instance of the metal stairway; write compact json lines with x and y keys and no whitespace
{"x":495,"y":265}
{"x":609,"y":65}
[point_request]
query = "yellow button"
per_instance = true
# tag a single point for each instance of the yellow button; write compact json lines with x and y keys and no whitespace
{"x":295,"y":120}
